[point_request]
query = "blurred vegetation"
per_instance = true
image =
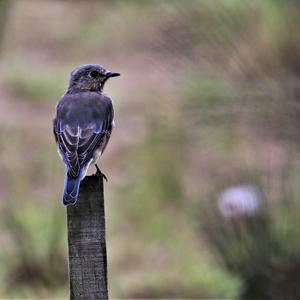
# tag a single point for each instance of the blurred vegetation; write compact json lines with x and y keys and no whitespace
{"x":36,"y":88}
{"x":34,"y":252}
{"x":262,"y":250}
{"x":208,"y":99}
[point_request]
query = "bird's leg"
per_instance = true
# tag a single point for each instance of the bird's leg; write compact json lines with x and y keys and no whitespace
{"x":99,"y":173}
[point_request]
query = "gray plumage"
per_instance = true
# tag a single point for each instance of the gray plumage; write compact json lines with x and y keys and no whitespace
{"x":83,"y":124}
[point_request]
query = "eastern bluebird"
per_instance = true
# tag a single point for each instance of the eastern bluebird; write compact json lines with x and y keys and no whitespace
{"x":83,"y":125}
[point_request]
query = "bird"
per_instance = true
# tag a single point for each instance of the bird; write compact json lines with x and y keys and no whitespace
{"x":83,"y":125}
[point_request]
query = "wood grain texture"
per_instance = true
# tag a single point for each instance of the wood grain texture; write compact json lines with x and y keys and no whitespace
{"x":87,"y":244}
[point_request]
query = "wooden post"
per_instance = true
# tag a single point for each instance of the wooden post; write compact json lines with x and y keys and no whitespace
{"x":87,"y":245}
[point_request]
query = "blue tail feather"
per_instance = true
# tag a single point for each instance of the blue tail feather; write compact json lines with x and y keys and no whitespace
{"x":71,"y":190}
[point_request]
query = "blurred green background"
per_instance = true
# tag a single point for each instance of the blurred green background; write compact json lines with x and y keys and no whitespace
{"x":203,"y":164}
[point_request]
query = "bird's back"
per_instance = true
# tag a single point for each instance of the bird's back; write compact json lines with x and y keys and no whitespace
{"x":84,"y":109}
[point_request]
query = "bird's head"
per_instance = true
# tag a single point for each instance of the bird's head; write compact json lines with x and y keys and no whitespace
{"x":89,"y":78}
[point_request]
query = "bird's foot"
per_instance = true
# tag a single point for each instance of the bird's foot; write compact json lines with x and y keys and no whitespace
{"x":99,"y":173}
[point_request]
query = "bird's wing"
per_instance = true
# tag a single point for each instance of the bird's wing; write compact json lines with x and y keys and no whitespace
{"x":78,"y":141}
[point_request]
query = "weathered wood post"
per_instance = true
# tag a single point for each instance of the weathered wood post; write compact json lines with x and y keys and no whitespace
{"x":87,"y":244}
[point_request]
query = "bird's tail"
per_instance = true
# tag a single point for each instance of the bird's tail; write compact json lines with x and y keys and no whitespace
{"x":71,"y":190}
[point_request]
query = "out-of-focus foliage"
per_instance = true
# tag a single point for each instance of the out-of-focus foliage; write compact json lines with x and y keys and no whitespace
{"x":34,"y":252}
{"x":262,"y":250}
{"x":4,"y":10}
{"x":208,"y":99}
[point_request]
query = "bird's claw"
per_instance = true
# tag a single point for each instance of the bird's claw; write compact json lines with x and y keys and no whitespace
{"x":99,"y":173}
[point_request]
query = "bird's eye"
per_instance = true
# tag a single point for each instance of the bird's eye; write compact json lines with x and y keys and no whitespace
{"x":94,"y":74}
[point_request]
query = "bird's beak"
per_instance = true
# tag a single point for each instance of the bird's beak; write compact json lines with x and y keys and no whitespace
{"x":111,"y":74}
